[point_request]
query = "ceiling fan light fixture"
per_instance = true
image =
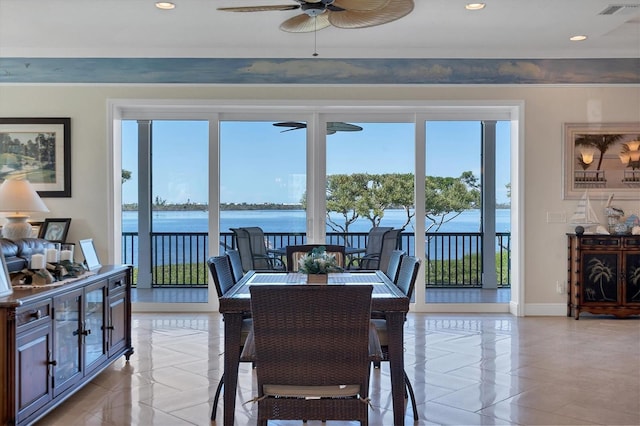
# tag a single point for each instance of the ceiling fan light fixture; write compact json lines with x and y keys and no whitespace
{"x":475,"y":6}
{"x":165,"y":5}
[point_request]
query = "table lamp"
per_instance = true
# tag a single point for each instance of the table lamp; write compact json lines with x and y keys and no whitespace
{"x":18,"y":197}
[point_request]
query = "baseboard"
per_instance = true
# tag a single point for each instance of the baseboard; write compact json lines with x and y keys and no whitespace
{"x":545,"y":309}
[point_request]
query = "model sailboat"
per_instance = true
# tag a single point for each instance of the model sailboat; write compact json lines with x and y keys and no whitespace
{"x":584,"y":214}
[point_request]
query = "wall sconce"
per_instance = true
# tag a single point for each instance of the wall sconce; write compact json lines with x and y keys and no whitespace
{"x":18,"y":197}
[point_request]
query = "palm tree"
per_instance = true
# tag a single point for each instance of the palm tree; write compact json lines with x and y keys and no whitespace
{"x":601,"y":272}
{"x":600,"y":142}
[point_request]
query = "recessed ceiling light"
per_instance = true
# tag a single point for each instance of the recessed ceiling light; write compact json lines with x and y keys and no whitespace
{"x":474,"y":6}
{"x":578,"y":38}
{"x":165,"y":5}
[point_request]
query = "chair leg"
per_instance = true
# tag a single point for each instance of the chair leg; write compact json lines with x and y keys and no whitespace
{"x":412,"y":396}
{"x":217,"y":397}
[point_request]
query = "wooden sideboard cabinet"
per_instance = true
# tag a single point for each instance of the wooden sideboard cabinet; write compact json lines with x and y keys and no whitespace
{"x":604,"y":275}
{"x":55,"y":340}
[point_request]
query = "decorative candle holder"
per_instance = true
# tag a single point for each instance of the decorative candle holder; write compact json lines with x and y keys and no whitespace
{"x":38,"y":261}
{"x":52,"y":254}
{"x":66,"y":252}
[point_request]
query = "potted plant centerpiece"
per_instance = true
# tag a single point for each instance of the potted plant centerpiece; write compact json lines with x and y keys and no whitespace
{"x":317,"y":264}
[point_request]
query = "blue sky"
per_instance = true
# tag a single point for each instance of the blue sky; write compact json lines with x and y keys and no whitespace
{"x":260,"y":163}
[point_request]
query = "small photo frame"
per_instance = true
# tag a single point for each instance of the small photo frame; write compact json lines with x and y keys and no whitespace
{"x":5,"y":279}
{"x":55,"y":230}
{"x":91,"y":260}
{"x":35,"y":228}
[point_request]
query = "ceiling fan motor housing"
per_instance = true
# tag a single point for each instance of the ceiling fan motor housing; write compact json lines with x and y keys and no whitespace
{"x":314,"y":9}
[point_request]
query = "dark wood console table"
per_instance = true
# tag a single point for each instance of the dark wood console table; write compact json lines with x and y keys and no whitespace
{"x":56,"y":339}
{"x":604,"y":275}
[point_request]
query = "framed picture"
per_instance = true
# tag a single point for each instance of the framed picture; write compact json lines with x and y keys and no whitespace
{"x":39,"y":150}
{"x":55,"y":230}
{"x":91,"y":260}
{"x":603,"y":159}
{"x":5,"y":279}
{"x":35,"y":228}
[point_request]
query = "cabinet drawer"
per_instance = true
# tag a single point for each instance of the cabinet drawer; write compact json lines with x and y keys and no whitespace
{"x":608,"y":242}
{"x":632,"y":242}
{"x":32,"y":315}
{"x":117,"y":283}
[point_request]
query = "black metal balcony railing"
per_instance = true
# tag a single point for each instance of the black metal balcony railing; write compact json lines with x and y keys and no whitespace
{"x":452,"y":259}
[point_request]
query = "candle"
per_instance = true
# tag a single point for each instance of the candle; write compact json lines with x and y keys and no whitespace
{"x":65,"y":255}
{"x":37,"y":261}
{"x":52,"y":255}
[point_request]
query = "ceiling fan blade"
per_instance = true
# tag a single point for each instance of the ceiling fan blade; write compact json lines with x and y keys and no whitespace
{"x":361,"y":5}
{"x":260,"y":8}
{"x":395,"y":9}
{"x":294,"y":124}
{"x":304,"y":23}
{"x":338,"y":126}
{"x":332,"y":126}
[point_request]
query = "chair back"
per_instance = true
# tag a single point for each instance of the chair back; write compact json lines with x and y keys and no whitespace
{"x":375,"y":238}
{"x":308,"y":336}
{"x":295,"y":253}
{"x":389,"y":244}
{"x":236,"y":264}
{"x":220,"y":269}
{"x":243,"y":245}
{"x":394,"y":264}
{"x":407,"y":274}
{"x":259,"y":252}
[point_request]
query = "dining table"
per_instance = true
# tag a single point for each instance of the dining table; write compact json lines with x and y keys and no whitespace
{"x":386,"y":298}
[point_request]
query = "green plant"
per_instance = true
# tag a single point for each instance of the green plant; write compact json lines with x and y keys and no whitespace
{"x":318,"y":261}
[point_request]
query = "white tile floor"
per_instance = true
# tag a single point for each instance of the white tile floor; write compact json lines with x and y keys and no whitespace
{"x":465,"y":369}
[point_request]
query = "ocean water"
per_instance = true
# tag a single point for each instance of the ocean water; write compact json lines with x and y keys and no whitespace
{"x":287,"y":221}
{"x":294,"y":221}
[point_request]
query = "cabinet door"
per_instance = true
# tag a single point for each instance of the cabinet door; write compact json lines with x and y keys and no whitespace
{"x":67,"y":329}
{"x":93,"y":327}
{"x":118,"y":322}
{"x":33,"y":364}
{"x":632,"y":278}
{"x":599,"y":278}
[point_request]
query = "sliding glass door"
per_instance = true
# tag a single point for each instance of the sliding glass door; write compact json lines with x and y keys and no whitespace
{"x":316,"y":176}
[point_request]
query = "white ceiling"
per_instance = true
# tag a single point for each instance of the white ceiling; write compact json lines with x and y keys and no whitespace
{"x":435,"y":29}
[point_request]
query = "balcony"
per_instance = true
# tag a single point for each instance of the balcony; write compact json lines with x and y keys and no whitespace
{"x":453,"y":260}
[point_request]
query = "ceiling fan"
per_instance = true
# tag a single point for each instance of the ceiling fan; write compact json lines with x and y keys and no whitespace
{"x":332,"y":126}
{"x":319,"y":14}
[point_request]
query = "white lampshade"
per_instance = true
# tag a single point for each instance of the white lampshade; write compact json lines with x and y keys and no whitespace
{"x":18,"y":197}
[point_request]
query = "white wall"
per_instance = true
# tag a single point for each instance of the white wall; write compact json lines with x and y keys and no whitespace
{"x":546,"y":109}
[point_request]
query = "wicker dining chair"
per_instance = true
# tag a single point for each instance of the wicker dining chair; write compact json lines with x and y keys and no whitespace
{"x":312,"y":351}
{"x":295,"y":253}
{"x":220,"y":269}
{"x":394,"y":264}
{"x":406,"y":281}
{"x":236,"y":264}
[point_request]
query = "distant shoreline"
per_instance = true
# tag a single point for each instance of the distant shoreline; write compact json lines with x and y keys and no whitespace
{"x":223,"y":206}
{"x":238,"y":206}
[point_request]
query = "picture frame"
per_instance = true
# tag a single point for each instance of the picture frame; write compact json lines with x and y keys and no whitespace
{"x":55,"y":230}
{"x":35,"y":228}
{"x":91,"y":260}
{"x":5,"y":279}
{"x":603,"y":159}
{"x":42,"y":153}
